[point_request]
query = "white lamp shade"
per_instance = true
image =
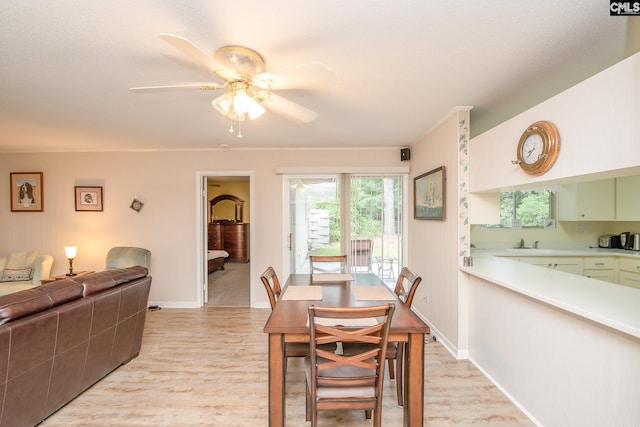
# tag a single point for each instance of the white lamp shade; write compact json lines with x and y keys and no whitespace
{"x":70,"y":251}
{"x":222,"y":104}
{"x":244,"y":104}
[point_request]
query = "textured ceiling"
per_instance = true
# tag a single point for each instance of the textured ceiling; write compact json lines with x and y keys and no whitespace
{"x":399,"y":67}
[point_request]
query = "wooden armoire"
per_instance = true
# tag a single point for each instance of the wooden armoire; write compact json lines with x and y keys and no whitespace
{"x":230,"y":235}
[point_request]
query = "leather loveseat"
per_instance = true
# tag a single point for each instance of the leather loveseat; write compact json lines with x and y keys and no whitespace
{"x":58,"y":339}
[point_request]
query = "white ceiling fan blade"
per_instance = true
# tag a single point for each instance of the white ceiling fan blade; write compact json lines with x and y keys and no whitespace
{"x":292,"y":77}
{"x":188,"y":86}
{"x":191,"y":50}
{"x":287,"y":108}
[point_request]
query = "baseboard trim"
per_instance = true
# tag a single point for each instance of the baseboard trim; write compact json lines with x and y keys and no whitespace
{"x":452,"y":349}
{"x":506,"y":393}
{"x":174,"y":304}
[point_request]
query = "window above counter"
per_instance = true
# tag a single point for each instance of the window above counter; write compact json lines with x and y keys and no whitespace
{"x":612,"y":199}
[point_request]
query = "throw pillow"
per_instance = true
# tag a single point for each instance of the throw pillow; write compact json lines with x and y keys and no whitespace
{"x":16,"y":274}
{"x":21,"y":260}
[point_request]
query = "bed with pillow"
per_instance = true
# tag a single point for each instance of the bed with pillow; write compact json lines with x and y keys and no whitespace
{"x":23,"y":270}
{"x":215,"y":260}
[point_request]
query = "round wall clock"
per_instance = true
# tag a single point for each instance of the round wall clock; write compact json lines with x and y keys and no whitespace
{"x":538,"y":148}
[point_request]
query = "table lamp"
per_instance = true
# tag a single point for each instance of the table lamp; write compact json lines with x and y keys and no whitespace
{"x":70,"y":252}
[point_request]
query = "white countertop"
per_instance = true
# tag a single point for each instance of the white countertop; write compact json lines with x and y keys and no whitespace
{"x":609,"y":304}
{"x":551,"y":252}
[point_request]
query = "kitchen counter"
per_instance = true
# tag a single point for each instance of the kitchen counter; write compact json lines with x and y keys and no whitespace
{"x":551,"y":252}
{"x":609,"y":304}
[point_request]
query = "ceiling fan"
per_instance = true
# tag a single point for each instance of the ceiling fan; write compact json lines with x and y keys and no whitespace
{"x":249,"y":85}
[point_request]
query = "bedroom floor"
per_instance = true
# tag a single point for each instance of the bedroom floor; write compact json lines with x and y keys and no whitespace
{"x":230,"y":287}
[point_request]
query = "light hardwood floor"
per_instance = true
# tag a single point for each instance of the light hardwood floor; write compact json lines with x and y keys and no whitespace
{"x":208,"y":367}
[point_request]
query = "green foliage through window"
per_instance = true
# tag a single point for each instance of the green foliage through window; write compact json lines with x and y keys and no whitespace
{"x":525,"y":208}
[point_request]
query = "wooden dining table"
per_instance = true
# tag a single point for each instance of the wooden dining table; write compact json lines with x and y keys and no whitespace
{"x":289,"y":323}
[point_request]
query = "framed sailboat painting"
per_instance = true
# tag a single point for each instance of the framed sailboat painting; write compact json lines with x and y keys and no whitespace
{"x":429,"y":195}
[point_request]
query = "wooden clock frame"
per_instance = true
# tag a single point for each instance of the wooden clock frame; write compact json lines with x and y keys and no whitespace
{"x":551,"y":147}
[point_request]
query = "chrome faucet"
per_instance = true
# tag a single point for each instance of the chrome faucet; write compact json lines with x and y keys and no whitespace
{"x":535,"y":245}
{"x":521,"y":245}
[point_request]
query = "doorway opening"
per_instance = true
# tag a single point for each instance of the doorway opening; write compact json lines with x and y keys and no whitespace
{"x":225,"y":235}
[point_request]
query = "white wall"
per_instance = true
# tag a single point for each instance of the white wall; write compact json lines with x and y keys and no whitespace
{"x":561,"y":369}
{"x":565,"y":370}
{"x":597,"y":121}
{"x":166,"y":183}
{"x":598,"y":124}
{"x":433,"y":244}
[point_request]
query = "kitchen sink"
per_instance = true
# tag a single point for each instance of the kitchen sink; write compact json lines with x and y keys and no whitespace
{"x":530,"y":251}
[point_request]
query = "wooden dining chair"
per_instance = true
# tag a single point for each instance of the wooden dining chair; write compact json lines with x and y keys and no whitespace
{"x":405,"y":289}
{"x":406,"y":285}
{"x":347,"y":382}
{"x":319,"y":264}
{"x":272,"y":285}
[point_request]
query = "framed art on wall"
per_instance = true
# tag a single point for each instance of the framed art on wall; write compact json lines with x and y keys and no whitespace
{"x":429,"y":195}
{"x":89,"y":199}
{"x":26,"y":192}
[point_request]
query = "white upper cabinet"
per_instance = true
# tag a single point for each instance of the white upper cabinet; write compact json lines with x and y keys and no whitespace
{"x":628,"y":198}
{"x":588,"y":201}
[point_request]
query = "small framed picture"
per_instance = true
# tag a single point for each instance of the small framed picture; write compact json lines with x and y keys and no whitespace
{"x":89,"y":199}
{"x":26,"y":192}
{"x":429,"y":195}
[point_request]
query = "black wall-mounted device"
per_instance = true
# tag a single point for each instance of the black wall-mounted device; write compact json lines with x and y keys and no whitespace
{"x":405,"y":154}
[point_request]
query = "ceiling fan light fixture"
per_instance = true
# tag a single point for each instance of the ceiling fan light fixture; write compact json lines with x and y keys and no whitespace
{"x":223,"y":103}
{"x":244,"y":73}
{"x":244,"y":104}
{"x":255,"y":109}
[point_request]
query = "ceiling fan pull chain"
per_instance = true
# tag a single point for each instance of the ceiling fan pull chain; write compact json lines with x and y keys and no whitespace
{"x":239,"y":129}
{"x":231,"y":126}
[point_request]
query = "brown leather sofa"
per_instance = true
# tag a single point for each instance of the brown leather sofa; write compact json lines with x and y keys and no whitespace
{"x":60,"y":338}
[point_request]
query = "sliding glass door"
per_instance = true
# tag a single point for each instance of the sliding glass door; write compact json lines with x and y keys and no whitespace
{"x":376,"y":218}
{"x":314,"y":219}
{"x":357,"y":215}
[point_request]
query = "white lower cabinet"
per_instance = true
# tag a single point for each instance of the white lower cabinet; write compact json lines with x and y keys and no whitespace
{"x":626,"y":272}
{"x":572,"y":265}
{"x":629,"y":272}
{"x":600,"y":268}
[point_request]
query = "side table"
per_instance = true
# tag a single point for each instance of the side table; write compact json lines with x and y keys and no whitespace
{"x":64,"y":276}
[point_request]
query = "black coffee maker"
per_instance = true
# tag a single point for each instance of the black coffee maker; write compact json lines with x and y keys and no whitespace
{"x":626,"y":240}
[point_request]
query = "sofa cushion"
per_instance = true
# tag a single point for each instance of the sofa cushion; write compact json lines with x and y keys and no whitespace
{"x":23,"y":303}
{"x":97,"y":282}
{"x":22,"y":259}
{"x":62,"y":291}
{"x":16,"y":274}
